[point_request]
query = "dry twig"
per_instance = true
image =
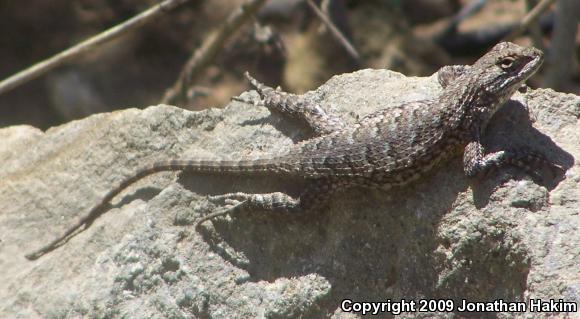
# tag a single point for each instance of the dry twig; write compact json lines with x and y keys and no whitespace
{"x":560,"y":59}
{"x":209,"y":49}
{"x":535,"y":30}
{"x":335,"y":32}
{"x":530,"y":18}
{"x":466,"y":11}
{"x":69,"y":54}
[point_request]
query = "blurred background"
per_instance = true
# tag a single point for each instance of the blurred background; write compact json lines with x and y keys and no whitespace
{"x":295,"y":44}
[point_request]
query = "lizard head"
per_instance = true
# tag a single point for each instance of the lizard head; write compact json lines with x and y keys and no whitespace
{"x":495,"y":77}
{"x":505,"y":68}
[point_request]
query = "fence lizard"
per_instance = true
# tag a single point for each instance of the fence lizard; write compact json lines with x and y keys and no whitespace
{"x":390,"y":147}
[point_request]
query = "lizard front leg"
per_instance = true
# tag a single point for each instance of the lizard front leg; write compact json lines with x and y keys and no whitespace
{"x":450,"y":73}
{"x":475,"y":162}
{"x":299,"y":107}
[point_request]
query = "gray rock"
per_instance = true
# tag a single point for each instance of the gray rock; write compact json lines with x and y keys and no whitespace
{"x":502,"y":236}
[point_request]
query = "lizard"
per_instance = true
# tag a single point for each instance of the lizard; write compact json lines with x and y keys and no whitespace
{"x":388,"y":148}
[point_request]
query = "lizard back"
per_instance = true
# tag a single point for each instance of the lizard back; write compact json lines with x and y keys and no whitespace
{"x":384,"y":143}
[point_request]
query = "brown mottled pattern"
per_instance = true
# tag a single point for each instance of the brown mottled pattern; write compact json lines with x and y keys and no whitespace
{"x":390,"y":147}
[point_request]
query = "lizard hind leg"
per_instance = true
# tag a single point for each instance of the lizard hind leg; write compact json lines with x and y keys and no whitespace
{"x":299,"y":107}
{"x":243,"y":202}
{"x":314,"y":196}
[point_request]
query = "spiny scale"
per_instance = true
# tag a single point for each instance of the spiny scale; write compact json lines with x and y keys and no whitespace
{"x":390,"y":147}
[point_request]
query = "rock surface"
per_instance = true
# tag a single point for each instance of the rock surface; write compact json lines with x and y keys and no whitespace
{"x":502,"y":236}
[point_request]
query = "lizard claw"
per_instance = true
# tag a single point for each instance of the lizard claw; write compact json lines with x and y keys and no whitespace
{"x":231,"y":206}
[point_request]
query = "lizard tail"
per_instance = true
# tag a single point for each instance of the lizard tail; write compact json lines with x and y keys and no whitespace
{"x":233,"y":167}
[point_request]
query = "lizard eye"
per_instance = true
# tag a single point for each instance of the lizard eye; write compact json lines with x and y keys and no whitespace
{"x":507,"y":63}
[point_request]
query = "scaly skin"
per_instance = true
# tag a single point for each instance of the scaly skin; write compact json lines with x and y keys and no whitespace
{"x":391,"y":147}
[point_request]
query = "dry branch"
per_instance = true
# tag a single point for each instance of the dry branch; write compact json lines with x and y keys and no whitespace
{"x":208,"y":51}
{"x":44,"y":66}
{"x":530,"y":18}
{"x":560,"y":60}
{"x":335,"y":32}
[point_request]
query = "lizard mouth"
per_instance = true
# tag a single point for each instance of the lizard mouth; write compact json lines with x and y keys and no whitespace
{"x":532,"y":66}
{"x":530,"y":69}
